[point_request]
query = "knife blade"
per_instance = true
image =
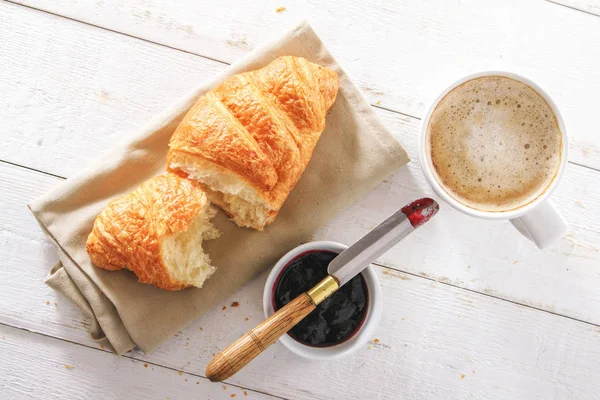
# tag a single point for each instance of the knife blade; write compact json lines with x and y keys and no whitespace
{"x":357,"y":257}
{"x":343,"y":268}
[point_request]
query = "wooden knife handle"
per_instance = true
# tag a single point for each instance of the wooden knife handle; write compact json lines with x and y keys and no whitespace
{"x":246,"y":348}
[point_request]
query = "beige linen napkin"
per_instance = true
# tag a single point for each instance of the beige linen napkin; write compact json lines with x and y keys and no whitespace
{"x":355,"y":152}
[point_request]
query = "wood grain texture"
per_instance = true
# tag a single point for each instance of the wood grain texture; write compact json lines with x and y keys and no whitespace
{"x":70,"y":91}
{"x":400,"y":53}
{"x":446,"y":331}
{"x":61,"y":370}
{"x":518,"y":350}
{"x":245,"y":349}
{"x":61,"y":122}
{"x":430,"y":335}
{"x":487,"y":256}
{"x":587,"y":6}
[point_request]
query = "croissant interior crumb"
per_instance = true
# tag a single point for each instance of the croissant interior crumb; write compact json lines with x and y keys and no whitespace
{"x":182,"y":252}
{"x":228,"y":191}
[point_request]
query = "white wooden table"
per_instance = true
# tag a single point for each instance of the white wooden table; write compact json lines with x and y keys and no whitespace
{"x":472,"y":310}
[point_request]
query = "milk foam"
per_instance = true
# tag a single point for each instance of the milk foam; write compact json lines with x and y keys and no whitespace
{"x":495,"y":143}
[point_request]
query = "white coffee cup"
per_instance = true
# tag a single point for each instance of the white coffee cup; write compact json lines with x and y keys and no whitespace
{"x":538,"y":220}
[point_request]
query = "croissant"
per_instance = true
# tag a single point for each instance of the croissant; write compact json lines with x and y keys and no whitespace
{"x":249,"y":140}
{"x":157,"y":232}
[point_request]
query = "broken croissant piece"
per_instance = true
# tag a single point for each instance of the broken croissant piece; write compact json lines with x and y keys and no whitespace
{"x":157,"y":232}
{"x":249,"y":140}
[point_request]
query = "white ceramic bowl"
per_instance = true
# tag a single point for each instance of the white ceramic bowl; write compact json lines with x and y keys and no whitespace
{"x":365,"y":331}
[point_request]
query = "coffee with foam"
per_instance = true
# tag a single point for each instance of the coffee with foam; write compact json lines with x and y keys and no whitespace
{"x":494,"y":143}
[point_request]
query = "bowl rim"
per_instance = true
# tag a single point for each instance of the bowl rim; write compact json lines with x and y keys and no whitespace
{"x":364,"y":333}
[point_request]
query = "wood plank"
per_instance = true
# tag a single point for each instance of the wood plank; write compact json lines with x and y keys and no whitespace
{"x":62,"y":370}
{"x":26,"y":259}
{"x":588,"y":6}
{"x":487,"y":256}
{"x":430,"y":340}
{"x":401,"y":53}
{"x":430,"y":336}
{"x":481,"y":264}
{"x":574,"y":288}
{"x":63,"y":86}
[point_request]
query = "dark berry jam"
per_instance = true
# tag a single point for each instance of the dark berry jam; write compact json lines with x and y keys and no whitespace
{"x":338,"y":317}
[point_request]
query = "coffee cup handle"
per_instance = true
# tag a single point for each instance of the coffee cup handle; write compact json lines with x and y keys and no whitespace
{"x":543,"y":225}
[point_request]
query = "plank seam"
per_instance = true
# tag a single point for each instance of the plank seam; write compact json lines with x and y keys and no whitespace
{"x":489,"y":295}
{"x":226,"y":63}
{"x":584,"y":166}
{"x":572,"y":8}
{"x":165,"y":45}
{"x":135,"y":359}
{"x":115,"y":31}
{"x":32,"y":169}
{"x":399,"y":270}
{"x":373,"y":105}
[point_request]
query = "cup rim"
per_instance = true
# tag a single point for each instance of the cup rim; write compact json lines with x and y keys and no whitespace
{"x":364,"y":332}
{"x":495,"y":215}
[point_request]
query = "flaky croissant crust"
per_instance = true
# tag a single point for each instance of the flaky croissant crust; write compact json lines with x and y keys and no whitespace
{"x":127,"y":233}
{"x":262,"y":125}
